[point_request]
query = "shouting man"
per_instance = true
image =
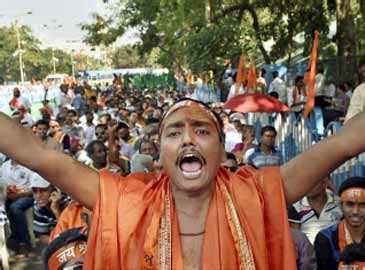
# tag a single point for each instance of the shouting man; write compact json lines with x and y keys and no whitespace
{"x":195,"y":214}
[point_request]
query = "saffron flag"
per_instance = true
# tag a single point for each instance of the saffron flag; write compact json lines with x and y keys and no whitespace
{"x":189,"y":78}
{"x":240,"y":74}
{"x":310,"y":77}
{"x":251,"y":78}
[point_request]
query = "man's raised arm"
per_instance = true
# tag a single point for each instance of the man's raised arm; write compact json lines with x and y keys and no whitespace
{"x":70,"y":176}
{"x":303,"y":172}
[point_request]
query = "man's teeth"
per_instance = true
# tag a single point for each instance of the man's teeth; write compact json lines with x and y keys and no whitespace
{"x":192,"y":175}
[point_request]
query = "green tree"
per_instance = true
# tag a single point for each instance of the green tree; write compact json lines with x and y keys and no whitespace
{"x":129,"y":57}
{"x":199,"y":35}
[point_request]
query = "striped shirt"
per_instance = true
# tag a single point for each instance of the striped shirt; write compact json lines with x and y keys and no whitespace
{"x":259,"y":159}
{"x":311,"y":222}
{"x":44,"y":220}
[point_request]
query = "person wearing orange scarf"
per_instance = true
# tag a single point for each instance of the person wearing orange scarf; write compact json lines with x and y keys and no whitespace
{"x":194,"y":214}
{"x":331,"y":243}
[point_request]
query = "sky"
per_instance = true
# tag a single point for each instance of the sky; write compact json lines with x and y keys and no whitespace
{"x":67,"y":13}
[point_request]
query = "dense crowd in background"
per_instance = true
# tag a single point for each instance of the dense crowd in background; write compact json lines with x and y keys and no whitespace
{"x":116,"y":127}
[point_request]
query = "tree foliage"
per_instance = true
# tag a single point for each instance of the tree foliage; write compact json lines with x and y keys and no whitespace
{"x":37,"y":62}
{"x":128,"y":57}
{"x":200,"y":35}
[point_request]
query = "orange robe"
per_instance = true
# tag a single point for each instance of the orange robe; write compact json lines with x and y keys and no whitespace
{"x":124,"y":222}
{"x":70,"y":218}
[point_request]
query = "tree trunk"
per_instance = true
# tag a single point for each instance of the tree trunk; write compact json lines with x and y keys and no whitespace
{"x":346,"y":41}
{"x":256,"y":25}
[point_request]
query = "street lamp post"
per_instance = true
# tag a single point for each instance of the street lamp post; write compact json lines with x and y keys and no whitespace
{"x":45,"y":26}
{"x":72,"y":55}
{"x":53,"y":61}
{"x":72,"y":64}
{"x":18,"y":38}
{"x":20,"y":53}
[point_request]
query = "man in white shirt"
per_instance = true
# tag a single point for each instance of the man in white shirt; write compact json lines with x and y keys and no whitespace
{"x":318,"y":210}
{"x":261,"y":82}
{"x":232,"y":90}
{"x":62,"y":99}
{"x":23,"y":117}
{"x":19,"y":101}
{"x":126,"y":142}
{"x":278,"y":86}
{"x":89,"y":127}
{"x":18,"y":199}
{"x":2,"y":160}
{"x":320,"y":80}
{"x":357,"y":103}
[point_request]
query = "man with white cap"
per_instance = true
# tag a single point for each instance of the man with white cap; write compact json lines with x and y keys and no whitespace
{"x":47,"y":207}
{"x":234,"y":137}
{"x":141,"y":163}
{"x":16,"y":178}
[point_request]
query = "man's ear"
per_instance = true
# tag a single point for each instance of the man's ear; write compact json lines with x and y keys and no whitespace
{"x":223,"y":153}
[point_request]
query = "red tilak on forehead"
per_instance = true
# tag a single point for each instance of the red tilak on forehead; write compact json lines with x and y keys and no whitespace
{"x":196,"y":110}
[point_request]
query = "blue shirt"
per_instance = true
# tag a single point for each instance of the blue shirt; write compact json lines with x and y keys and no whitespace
{"x":259,"y":159}
{"x":78,"y":102}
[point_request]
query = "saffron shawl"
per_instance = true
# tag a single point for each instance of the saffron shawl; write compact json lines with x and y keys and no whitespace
{"x":135,"y":225}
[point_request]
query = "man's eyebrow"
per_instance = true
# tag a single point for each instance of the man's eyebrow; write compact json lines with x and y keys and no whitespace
{"x":194,"y":123}
{"x":178,"y":124}
{"x":199,"y":123}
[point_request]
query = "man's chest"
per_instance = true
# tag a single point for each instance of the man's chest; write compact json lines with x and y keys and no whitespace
{"x":192,"y":247}
{"x":329,"y":215}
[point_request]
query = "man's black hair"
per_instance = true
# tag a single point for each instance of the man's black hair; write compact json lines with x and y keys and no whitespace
{"x":230,"y":155}
{"x":152,"y":121}
{"x":72,"y":111}
{"x":146,"y":139}
{"x":268,"y":128}
{"x":275,"y":74}
{"x":122,"y":125}
{"x":352,"y":182}
{"x":42,"y":122}
{"x":274,"y":94}
{"x":354,"y":252}
{"x":89,"y":112}
{"x":64,"y":87}
{"x":101,"y":126}
{"x":90,"y":147}
{"x":298,"y":79}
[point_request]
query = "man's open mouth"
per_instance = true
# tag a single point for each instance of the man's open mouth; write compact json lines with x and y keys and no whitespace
{"x":191,"y":164}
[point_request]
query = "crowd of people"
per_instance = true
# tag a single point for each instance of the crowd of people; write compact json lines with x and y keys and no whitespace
{"x":142,"y":137}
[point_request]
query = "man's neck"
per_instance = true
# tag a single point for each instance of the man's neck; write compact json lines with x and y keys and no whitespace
{"x":265,"y":149}
{"x":318,"y":202}
{"x":193,"y":204}
{"x":357,"y":233}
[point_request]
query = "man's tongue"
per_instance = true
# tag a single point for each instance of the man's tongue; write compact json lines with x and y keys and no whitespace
{"x":191,"y":166}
